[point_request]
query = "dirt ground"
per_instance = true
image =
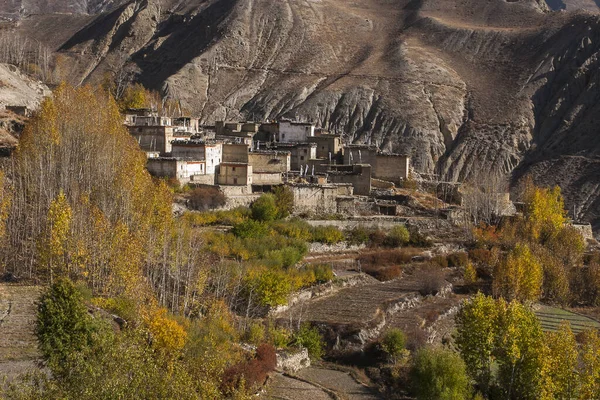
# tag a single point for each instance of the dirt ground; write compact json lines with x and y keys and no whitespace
{"x":18,"y":348}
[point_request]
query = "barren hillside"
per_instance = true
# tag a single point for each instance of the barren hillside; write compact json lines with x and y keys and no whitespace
{"x":464,"y":86}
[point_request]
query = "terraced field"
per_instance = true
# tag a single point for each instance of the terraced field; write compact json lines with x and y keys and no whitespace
{"x":18,"y":348}
{"x":552,"y":317}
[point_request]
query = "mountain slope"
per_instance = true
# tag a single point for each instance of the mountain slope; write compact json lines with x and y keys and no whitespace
{"x":465,"y":86}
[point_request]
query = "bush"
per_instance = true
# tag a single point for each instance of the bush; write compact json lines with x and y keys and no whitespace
{"x":310,"y":338}
{"x":441,"y":261}
{"x":264,"y":209}
{"x":398,"y":236}
{"x":269,"y":287}
{"x":279,"y":336}
{"x":481,"y":256}
{"x":253,"y":372}
{"x":323,"y":273}
{"x":431,"y":280}
{"x":456,"y":260}
{"x":419,"y":240}
{"x":357,"y":236}
{"x":388,"y":257}
{"x":294,"y":228}
{"x":327,"y":235}
{"x":439,"y":374}
{"x":284,"y":199}
{"x":377,"y":238}
{"x":394,"y":343}
{"x":256,"y":333}
{"x":250,"y":229}
{"x":206,"y":198}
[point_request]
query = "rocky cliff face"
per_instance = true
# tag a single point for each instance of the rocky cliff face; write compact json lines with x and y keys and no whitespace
{"x":465,"y":86}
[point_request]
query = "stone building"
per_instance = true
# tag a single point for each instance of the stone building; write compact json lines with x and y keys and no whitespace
{"x":153,"y":138}
{"x":209,"y":151}
{"x":270,"y":161}
{"x":389,"y":167}
{"x":328,"y":146}
{"x":358,"y":175}
{"x":289,"y":131}
{"x":234,"y":173}
{"x":185,"y":171}
{"x":235,"y":152}
{"x":319,"y":199}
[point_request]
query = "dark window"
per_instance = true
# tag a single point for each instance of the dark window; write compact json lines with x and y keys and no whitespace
{"x":233,"y":169}
{"x":301,"y":158}
{"x":235,"y":181}
{"x":305,"y":151}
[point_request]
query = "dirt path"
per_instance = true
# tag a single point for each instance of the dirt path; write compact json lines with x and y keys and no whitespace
{"x":317,"y":383}
{"x":18,"y":349}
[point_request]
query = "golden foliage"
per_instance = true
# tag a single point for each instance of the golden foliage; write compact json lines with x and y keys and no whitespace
{"x":519,"y":276}
{"x":168,"y":336}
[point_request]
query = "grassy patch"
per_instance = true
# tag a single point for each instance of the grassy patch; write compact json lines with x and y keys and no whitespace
{"x":552,"y":317}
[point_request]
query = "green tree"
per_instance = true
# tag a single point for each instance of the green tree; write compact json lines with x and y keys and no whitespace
{"x":310,"y":338}
{"x":394,"y":343}
{"x":439,"y":374}
{"x":476,"y":336}
{"x":64,"y":326}
{"x":520,"y":276}
{"x":264,"y":209}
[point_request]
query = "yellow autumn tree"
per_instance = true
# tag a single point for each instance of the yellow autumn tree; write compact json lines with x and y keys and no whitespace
{"x":168,"y":336}
{"x":546,"y":213}
{"x":53,"y":246}
{"x":590,"y":365}
{"x":135,"y":96}
{"x":561,"y":359}
{"x":519,"y":276}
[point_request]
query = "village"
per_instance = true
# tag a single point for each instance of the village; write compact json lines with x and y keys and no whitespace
{"x":245,"y":159}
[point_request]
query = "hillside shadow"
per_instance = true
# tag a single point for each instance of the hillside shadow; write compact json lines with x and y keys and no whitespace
{"x":187,"y":38}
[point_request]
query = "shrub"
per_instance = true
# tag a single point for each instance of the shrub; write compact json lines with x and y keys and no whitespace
{"x":294,"y":228}
{"x":253,"y":372}
{"x":250,"y":229}
{"x":270,"y":287}
{"x":310,"y":338}
{"x":358,"y":236}
{"x":419,"y":240}
{"x":481,"y":256}
{"x":439,"y":374}
{"x":284,"y":199}
{"x":279,"y":336}
{"x":377,"y":238}
{"x":206,"y":198}
{"x":431,"y":280}
{"x":323,"y":273}
{"x":456,"y":260}
{"x":327,"y":235}
{"x":122,"y":306}
{"x":441,"y":261}
{"x":256,"y":333}
{"x":398,"y":236}
{"x":383,"y":273}
{"x":394,"y":343}
{"x":264,"y":209}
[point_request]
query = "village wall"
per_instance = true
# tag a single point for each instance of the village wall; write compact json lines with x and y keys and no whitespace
{"x":318,"y":199}
{"x":267,"y":178}
{"x":153,"y":138}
